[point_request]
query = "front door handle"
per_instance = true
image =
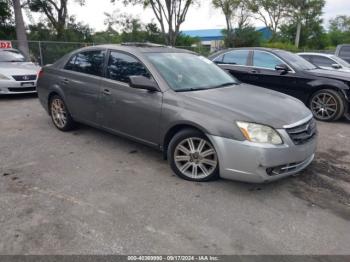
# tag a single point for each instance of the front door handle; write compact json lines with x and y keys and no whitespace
{"x":65,"y":81}
{"x":254,"y":71}
{"x":107,"y":92}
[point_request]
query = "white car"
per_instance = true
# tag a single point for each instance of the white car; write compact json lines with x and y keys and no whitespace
{"x":17,"y":76}
{"x":327,"y":61}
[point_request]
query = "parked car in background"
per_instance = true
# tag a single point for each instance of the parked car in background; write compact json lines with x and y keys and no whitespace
{"x":343,"y":51}
{"x":327,"y":61}
{"x":326,"y":93}
{"x":17,"y":76}
{"x":207,"y":123}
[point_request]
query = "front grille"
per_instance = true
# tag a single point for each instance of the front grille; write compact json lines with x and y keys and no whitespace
{"x":25,"y":77}
{"x":22,"y":89}
{"x":303,"y":133}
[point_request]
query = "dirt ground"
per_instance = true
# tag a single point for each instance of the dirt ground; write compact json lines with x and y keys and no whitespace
{"x":89,"y":192}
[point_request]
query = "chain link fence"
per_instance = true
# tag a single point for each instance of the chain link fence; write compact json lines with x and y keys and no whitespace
{"x":47,"y":52}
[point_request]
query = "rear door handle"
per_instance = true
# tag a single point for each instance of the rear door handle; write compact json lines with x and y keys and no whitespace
{"x":107,"y":92}
{"x":254,"y":71}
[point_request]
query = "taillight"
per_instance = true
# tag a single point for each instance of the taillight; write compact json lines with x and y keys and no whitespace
{"x":41,"y":73}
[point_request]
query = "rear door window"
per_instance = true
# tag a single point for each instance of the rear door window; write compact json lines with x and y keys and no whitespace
{"x":121,"y":66}
{"x":238,"y":57}
{"x":90,"y":62}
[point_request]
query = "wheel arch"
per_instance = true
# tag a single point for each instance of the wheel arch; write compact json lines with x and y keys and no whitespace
{"x":174,"y":129}
{"x":335,"y":85}
{"x":54,"y":91}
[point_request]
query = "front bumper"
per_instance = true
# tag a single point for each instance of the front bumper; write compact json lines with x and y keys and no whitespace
{"x":261,"y":163}
{"x":17,"y":87}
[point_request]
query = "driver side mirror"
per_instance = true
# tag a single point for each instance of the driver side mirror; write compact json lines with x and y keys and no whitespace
{"x":336,"y":66}
{"x":282,"y":68}
{"x":142,"y":82}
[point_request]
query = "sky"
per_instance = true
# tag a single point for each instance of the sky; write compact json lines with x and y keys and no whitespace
{"x":203,"y":16}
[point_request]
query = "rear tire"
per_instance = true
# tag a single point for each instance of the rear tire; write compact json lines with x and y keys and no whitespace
{"x":60,"y":115}
{"x":327,"y":105}
{"x":192,"y":156}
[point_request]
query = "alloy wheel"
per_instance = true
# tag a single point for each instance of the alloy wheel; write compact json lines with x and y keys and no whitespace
{"x":59,"y":112}
{"x":324,"y":106}
{"x":195,"y":158}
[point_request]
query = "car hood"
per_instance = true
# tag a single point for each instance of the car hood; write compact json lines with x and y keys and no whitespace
{"x":339,"y":75}
{"x":18,"y":68}
{"x":252,"y":103}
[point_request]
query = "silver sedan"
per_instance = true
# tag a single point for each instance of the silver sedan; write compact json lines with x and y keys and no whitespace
{"x":17,"y":76}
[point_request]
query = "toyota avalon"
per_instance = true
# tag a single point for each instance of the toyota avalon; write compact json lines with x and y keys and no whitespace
{"x":206,"y":122}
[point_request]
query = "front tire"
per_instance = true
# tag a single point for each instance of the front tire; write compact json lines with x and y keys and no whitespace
{"x":192,"y":156}
{"x":327,"y":105}
{"x":60,"y":115}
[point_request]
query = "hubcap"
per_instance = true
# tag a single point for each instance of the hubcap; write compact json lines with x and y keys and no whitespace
{"x":195,"y":158}
{"x":58,"y":113}
{"x":324,"y":106}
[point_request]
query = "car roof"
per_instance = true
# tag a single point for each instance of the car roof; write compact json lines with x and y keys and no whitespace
{"x":9,"y":49}
{"x":318,"y":54}
{"x":272,"y":50}
{"x":137,"y":47}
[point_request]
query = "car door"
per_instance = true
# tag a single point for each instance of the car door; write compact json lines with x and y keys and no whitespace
{"x":126,"y":110}
{"x":81,"y":81}
{"x":265,"y":74}
{"x":235,"y":62}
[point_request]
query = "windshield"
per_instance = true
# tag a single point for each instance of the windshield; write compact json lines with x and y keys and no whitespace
{"x":189,"y":72}
{"x":340,"y":61}
{"x":11,"y":56}
{"x":296,"y":61}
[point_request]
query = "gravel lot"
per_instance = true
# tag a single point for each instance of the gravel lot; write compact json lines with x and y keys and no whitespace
{"x":88,"y":192}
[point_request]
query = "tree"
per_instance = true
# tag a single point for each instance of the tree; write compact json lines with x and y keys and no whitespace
{"x":270,"y":12}
{"x":56,"y":12}
{"x":340,"y":23}
{"x":246,"y":36}
{"x":7,"y":29}
{"x":20,"y":29}
{"x":243,"y":15}
{"x":169,"y":13}
{"x":228,"y":8}
{"x":305,"y":13}
{"x":339,"y":30}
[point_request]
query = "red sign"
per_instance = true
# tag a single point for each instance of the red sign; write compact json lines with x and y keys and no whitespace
{"x":5,"y":44}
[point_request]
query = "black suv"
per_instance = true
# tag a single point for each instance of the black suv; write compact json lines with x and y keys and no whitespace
{"x":326,"y":93}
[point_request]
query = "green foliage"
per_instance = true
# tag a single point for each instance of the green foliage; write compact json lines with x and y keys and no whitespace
{"x":280,"y":45}
{"x":312,"y":35}
{"x":308,"y":15}
{"x":243,"y":37}
{"x":339,"y":30}
{"x":247,"y":36}
{"x":7,"y":29}
{"x":185,"y":40}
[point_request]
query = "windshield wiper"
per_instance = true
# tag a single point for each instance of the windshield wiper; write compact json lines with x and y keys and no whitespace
{"x":207,"y":88}
{"x":224,"y":84}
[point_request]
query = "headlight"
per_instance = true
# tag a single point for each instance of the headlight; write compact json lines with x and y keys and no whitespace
{"x":2,"y":77}
{"x":259,"y":133}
